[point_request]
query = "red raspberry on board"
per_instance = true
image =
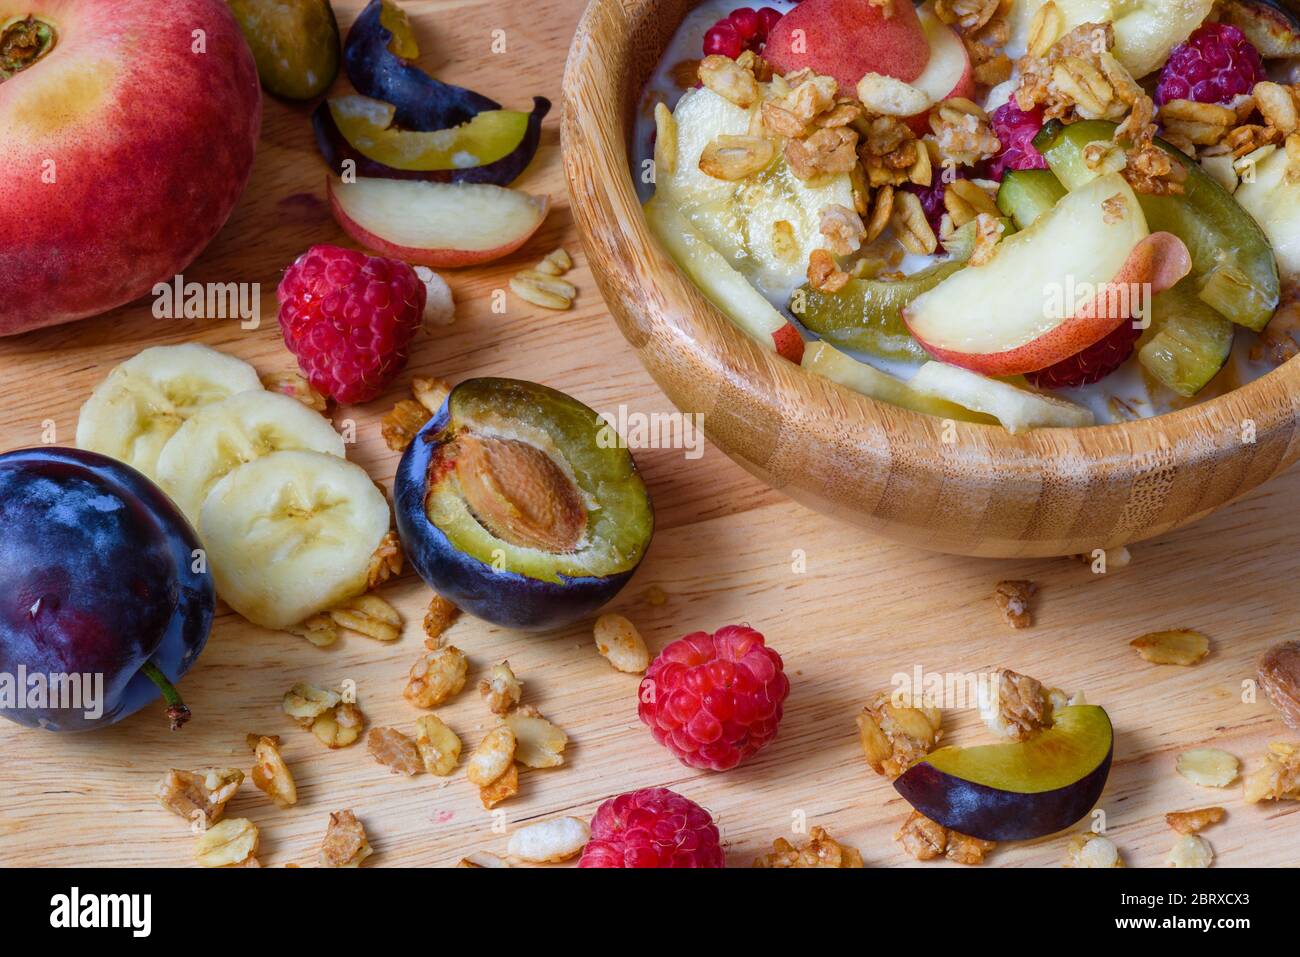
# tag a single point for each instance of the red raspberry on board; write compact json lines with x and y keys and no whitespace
{"x":1015,"y":130}
{"x":653,"y":827}
{"x":349,"y":318}
{"x":1215,"y":64}
{"x":1092,"y":364}
{"x":714,"y":700}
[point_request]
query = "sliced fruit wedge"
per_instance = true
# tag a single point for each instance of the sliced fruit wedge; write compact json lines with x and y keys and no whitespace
{"x":724,"y":286}
{"x":1026,"y":194}
{"x":494,"y":147}
{"x":225,"y":435}
{"x":829,"y":363}
{"x":1231,"y":254}
{"x":1188,"y":342}
{"x":1017,"y":409}
{"x":142,"y":402}
{"x":291,"y":534}
{"x":1274,"y":200}
{"x":1052,"y":290}
{"x":436,"y":224}
{"x":1017,"y":791}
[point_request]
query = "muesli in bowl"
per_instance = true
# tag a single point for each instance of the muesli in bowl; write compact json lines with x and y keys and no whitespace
{"x":1058,"y":213}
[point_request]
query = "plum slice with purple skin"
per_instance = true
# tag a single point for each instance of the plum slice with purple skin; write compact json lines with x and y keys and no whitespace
{"x":100,"y":575}
{"x":518,"y":504}
{"x":506,"y":138}
{"x":378,"y":59}
{"x":1017,"y":791}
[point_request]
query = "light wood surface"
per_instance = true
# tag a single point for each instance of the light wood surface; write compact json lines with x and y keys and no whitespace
{"x":988,"y":493}
{"x":726,"y":550}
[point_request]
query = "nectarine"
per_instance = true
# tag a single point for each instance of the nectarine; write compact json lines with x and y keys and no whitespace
{"x":848,"y":39}
{"x":126,"y":136}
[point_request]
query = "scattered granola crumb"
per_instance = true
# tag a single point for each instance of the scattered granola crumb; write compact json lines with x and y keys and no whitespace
{"x":619,"y":643}
{"x":505,"y":786}
{"x":436,"y":677}
{"x":429,"y":392}
{"x":926,"y":840}
{"x":1018,"y":707}
{"x":492,"y":758}
{"x":1012,"y":598}
{"x":1208,"y":767}
{"x":438,"y":745}
{"x":482,"y":859}
{"x":272,"y":775}
{"x":295,"y":386}
{"x":1190,"y":850}
{"x":440,"y":616}
{"x":402,"y":422}
{"x":894,"y":737}
{"x":345,"y":843}
{"x":550,"y":841}
{"x":501,"y":689}
{"x":1279,"y":676}
{"x":368,"y":615}
{"x":539,"y":743}
{"x":229,"y":843}
{"x":1193,"y":822}
{"x":199,"y":796}
{"x":1278,"y":779}
{"x":1179,"y":647}
{"x":394,"y":750}
{"x":821,"y":850}
{"x":1092,"y":851}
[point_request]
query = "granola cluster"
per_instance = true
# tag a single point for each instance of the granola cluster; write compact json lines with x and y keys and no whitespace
{"x":927,"y":840}
{"x":821,"y":850}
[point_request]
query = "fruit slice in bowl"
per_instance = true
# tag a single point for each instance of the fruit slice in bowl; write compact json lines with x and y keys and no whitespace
{"x":848,"y":39}
{"x":1016,"y":408}
{"x":724,"y":286}
{"x":829,"y":363}
{"x":141,"y":403}
{"x":1273,"y":199}
{"x":1052,"y":290}
{"x":436,"y":224}
{"x":225,"y":435}
{"x":291,"y":534}
{"x":1188,"y":342}
{"x":1018,"y":790}
{"x":1231,"y":254}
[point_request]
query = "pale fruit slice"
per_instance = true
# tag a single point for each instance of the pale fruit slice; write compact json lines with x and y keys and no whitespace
{"x":1017,"y":409}
{"x":225,"y":435}
{"x":436,"y":224}
{"x":1145,"y":30}
{"x":1050,"y":291}
{"x":143,"y":401}
{"x":766,"y":225}
{"x":1274,"y":200}
{"x":827,"y":361}
{"x":291,"y":534}
{"x":723,"y":285}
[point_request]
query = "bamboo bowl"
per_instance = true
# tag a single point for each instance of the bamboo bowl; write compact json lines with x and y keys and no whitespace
{"x":989,"y":493}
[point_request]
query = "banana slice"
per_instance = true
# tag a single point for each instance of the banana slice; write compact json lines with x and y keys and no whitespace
{"x":222,"y":436}
{"x":291,"y":534}
{"x":143,"y":401}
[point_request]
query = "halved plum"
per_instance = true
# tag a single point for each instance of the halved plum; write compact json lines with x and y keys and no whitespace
{"x":378,"y":58}
{"x":494,"y":147}
{"x":295,"y":44}
{"x":516,"y":503}
{"x":1231,"y":254}
{"x":1021,"y":790}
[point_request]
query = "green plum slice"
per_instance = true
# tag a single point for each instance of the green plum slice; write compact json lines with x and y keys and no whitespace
{"x":1020,"y":790}
{"x":1188,"y":342}
{"x":294,"y":42}
{"x":1231,"y":255}
{"x":1026,"y":194}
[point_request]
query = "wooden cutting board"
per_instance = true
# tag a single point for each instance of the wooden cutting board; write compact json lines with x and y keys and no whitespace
{"x":846,"y":611}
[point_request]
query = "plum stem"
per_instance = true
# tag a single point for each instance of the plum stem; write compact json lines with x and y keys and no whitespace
{"x":177,"y":712}
{"x":22,"y":43}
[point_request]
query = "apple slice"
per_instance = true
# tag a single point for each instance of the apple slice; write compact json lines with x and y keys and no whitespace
{"x":1017,"y":409}
{"x":947,"y":73}
{"x":1052,"y":290}
{"x":726,"y":288}
{"x":436,"y":224}
{"x":1020,"y":790}
{"x":829,"y":363}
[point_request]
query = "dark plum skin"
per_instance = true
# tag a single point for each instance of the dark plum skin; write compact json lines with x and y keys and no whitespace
{"x":336,"y":150}
{"x":422,"y":102}
{"x":503,"y":597}
{"x":95,"y":577}
{"x":995,"y":815}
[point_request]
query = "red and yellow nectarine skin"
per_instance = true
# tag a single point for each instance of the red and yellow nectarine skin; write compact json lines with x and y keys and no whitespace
{"x":1160,"y":260}
{"x":122,"y":151}
{"x":848,"y":39}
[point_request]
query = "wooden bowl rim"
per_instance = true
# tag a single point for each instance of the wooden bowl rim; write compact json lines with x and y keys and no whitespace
{"x":1270,"y":402}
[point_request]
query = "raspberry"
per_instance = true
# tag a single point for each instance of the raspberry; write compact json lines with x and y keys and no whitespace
{"x":1015,"y":130}
{"x":714,"y":700}
{"x":349,"y":318}
{"x":653,"y":827}
{"x":1092,"y":364}
{"x":743,"y":29}
{"x":1215,"y":64}
{"x":932,"y":195}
